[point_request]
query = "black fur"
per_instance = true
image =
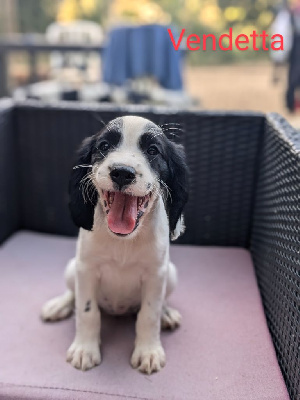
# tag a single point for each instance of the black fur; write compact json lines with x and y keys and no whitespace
{"x":90,"y":151}
{"x":177,"y":181}
{"x":88,"y":306}
{"x":82,"y":212}
{"x":166,"y":158}
{"x":170,"y":166}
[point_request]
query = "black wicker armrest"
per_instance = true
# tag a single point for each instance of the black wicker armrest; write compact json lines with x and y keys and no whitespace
{"x":9,"y":201}
{"x":275,"y":243}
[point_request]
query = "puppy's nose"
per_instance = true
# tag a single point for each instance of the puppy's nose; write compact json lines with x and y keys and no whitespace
{"x":122,"y":175}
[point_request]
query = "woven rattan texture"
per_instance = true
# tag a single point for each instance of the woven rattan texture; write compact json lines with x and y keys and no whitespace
{"x":238,"y":164}
{"x":222,"y":153}
{"x":276,"y":246}
{"x":9,"y":199}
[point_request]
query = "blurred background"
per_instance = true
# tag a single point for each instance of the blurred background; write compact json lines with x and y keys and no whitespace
{"x":119,"y":52}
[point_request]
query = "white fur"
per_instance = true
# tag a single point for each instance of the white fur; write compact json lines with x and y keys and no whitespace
{"x":121,"y":274}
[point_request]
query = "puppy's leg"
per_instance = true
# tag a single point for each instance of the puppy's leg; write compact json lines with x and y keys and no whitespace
{"x":148,"y":355}
{"x":62,"y":306}
{"x":170,"y":318}
{"x":84,"y":352}
{"x":171,"y":279}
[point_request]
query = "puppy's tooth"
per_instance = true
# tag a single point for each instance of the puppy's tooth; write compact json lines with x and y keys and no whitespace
{"x":140,"y":214}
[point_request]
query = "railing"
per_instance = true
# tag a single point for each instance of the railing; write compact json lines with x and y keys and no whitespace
{"x":33,"y":48}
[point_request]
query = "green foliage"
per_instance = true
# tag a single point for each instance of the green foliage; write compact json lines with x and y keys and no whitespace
{"x":36,"y":15}
{"x":196,"y":16}
{"x":250,"y":14}
{"x":99,"y":14}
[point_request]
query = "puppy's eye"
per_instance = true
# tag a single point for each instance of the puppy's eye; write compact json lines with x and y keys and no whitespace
{"x":152,"y":150}
{"x":104,"y":146}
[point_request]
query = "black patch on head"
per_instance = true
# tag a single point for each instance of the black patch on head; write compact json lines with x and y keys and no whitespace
{"x":93,"y":149}
{"x":167,"y":160}
{"x":108,"y":140}
{"x":87,"y":306}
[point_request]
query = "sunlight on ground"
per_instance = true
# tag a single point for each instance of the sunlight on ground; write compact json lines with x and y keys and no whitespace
{"x":239,"y":87}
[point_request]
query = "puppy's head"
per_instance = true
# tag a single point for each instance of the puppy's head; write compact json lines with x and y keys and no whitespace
{"x":123,"y":169}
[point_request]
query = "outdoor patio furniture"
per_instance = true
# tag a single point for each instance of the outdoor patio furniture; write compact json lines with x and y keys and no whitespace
{"x":239,"y":260}
{"x":46,"y":90}
{"x":79,"y":32}
{"x":142,"y":64}
{"x":292,"y":94}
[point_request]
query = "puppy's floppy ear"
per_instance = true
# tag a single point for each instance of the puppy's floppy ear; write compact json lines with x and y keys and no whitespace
{"x":82,"y":206}
{"x":178,"y":184}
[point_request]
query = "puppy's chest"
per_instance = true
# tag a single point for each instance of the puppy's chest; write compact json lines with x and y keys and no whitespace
{"x":119,"y":289}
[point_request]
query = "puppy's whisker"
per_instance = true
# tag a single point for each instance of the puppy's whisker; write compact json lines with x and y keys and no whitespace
{"x":82,"y":166}
{"x":98,"y":118}
{"x":168,"y":190}
{"x":88,"y":175}
{"x":170,"y":131}
{"x":172,"y":127}
{"x":154,"y":158}
{"x":156,"y":191}
{"x":86,"y":185}
{"x":173,"y":130}
{"x":171,"y":134}
{"x":88,"y":190}
{"x":170,"y":123}
{"x":156,"y":134}
{"x":113,"y":146}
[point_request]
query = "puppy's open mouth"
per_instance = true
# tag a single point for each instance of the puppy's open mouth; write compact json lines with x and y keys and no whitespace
{"x":124,"y":211}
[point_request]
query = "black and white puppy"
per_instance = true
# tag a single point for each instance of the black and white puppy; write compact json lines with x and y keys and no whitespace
{"x":127,"y":193}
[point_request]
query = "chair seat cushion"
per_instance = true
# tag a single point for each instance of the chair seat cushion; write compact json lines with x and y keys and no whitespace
{"x":223,"y":349}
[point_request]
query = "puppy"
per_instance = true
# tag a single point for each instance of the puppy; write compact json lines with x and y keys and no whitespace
{"x":127,"y":193}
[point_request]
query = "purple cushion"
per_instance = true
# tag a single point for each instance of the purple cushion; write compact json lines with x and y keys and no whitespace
{"x":222,"y":351}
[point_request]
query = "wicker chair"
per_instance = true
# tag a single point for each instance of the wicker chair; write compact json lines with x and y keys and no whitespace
{"x":244,"y":211}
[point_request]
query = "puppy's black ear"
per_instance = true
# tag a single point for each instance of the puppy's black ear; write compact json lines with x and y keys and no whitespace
{"x":82,"y":196}
{"x":178,"y":184}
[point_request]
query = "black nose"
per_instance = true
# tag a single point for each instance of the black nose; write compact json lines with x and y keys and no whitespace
{"x":122,"y":175}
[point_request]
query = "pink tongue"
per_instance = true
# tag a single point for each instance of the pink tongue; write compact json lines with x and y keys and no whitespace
{"x":123,"y":213}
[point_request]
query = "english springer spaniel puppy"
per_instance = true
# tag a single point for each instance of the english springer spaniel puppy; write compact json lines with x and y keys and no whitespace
{"x":127,"y":193}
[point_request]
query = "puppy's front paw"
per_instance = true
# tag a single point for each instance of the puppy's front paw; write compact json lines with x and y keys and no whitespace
{"x":148,"y":359}
{"x":84,"y":355}
{"x":170,"y":318}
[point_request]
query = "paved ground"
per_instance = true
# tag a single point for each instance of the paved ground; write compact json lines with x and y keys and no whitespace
{"x":239,"y":87}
